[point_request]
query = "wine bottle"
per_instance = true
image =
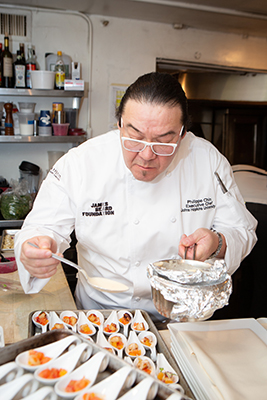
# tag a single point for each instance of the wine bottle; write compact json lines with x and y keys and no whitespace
{"x":22,"y":51}
{"x":7,"y":65}
{"x":1,"y":61}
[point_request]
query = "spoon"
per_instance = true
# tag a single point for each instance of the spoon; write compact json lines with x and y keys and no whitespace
{"x":51,"y":350}
{"x":89,"y":371}
{"x":125,"y":318}
{"x":149,"y":341}
{"x":24,"y":385}
{"x":145,"y":390}
{"x":67,"y":362}
{"x":38,"y":324}
{"x":118,"y":341}
{"x":99,"y":283}
{"x":110,"y":387}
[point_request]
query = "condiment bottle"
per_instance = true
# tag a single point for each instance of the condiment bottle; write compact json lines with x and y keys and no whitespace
{"x":19,"y":72}
{"x":60,"y":71}
{"x":9,"y":129}
{"x":22,"y":52}
{"x":30,"y":65}
{"x":7,"y":65}
{"x":1,"y":60}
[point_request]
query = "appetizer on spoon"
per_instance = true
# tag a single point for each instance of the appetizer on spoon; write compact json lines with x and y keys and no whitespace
{"x":125,"y":318}
{"x":83,"y":377}
{"x":32,"y":359}
{"x":41,"y":320}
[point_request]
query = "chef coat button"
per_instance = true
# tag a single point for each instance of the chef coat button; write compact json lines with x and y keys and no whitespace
{"x":168,"y":174}
{"x":137,"y":299}
{"x":137,"y":264}
{"x":173,"y":219}
{"x":136,"y":221}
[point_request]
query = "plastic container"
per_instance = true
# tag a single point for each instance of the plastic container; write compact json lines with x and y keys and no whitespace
{"x":27,"y":107}
{"x":43,"y":79}
{"x":9,"y":266}
{"x":45,"y":131}
{"x":60,"y":129}
{"x":26,"y":123}
{"x":50,"y":62}
{"x":31,"y":173}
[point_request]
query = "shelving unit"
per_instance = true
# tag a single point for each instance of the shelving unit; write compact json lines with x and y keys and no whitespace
{"x":75,"y":95}
{"x":42,"y":139}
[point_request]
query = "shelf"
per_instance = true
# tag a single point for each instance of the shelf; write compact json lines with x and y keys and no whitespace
{"x":42,"y":139}
{"x":41,"y":92}
{"x":11,"y":223}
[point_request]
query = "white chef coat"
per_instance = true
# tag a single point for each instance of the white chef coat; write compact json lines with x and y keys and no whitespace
{"x":123,"y":224}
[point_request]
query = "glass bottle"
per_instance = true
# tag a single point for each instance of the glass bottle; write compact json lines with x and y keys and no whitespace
{"x":22,"y":51}
{"x":60,"y":71}
{"x":19,"y":72}
{"x":7,"y":65}
{"x":30,"y":65}
{"x":1,"y":60}
{"x":9,"y":128}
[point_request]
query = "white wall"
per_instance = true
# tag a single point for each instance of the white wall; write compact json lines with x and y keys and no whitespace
{"x":125,"y":49}
{"x":121,"y":51}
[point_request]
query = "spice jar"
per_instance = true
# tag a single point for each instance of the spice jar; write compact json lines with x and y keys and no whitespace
{"x":9,"y":124}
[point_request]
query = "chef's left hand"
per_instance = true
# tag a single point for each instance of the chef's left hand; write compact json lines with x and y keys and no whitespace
{"x":206,"y":242}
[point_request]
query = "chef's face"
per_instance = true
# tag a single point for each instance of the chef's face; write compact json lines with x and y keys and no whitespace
{"x":151,"y":123}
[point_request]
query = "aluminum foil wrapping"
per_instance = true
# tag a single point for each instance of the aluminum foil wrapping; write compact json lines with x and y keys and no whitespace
{"x":195,"y":300}
{"x":191,"y":271}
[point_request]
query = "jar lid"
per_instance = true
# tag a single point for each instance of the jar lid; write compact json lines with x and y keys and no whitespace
{"x":27,"y":166}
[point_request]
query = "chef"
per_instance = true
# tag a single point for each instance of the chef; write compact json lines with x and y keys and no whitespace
{"x":141,"y":193}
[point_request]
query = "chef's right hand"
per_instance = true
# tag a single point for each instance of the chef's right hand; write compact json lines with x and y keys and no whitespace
{"x":38,"y":262}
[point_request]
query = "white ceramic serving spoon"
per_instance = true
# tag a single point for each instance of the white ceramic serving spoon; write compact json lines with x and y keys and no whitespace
{"x":112,"y":341}
{"x":145,"y":390}
{"x":67,"y":361}
{"x":44,"y":393}
{"x":125,"y":326}
{"x":112,"y":319}
{"x":70,"y":316}
{"x":143,"y":363}
{"x":89,"y":370}
{"x":55,"y":322}
{"x":43,"y":327}
{"x":23,"y":386}
{"x":99,"y":283}
{"x":52,"y":350}
{"x":152,"y":339}
{"x":96,"y":318}
{"x":133,"y":339}
{"x":83,"y":322}
{"x":164,"y":366}
{"x":110,"y":387}
{"x":102,"y":342}
{"x":9,"y":372}
{"x":139,"y":323}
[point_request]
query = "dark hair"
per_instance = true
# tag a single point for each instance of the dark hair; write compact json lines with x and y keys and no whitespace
{"x":156,"y":88}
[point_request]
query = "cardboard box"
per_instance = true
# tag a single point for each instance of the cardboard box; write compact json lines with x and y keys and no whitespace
{"x":73,"y":84}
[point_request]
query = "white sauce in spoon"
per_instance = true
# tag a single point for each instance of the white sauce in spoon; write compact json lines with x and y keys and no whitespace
{"x":107,"y":284}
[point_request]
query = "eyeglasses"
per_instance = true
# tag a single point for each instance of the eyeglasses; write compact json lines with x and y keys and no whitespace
{"x":160,"y":149}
